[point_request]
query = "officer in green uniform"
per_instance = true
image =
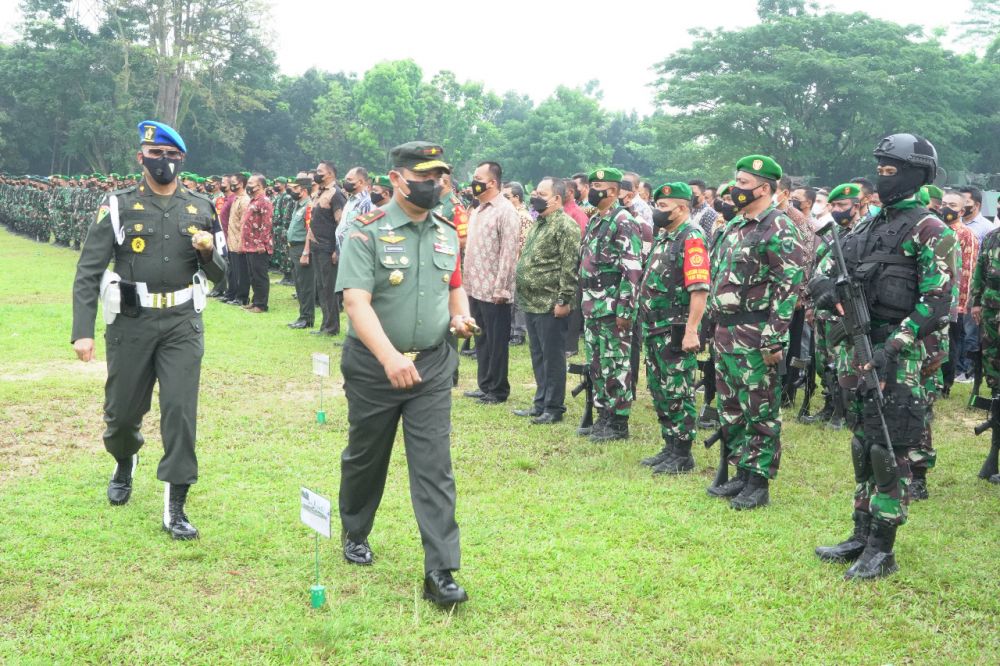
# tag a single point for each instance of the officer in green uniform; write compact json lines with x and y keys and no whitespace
{"x":165,"y":241}
{"x":402,"y":291}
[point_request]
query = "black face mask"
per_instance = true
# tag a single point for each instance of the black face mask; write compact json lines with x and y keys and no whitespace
{"x":661,"y":219}
{"x":595,"y":197}
{"x":161,"y":170}
{"x":906,"y":182}
{"x":842,"y":217}
{"x":796,"y":204}
{"x":967,"y":211}
{"x":377,"y":198}
{"x":251,"y":190}
{"x":350,"y":187}
{"x":234,"y":188}
{"x":742,"y":197}
{"x":949,"y":215}
{"x":478,"y":187}
{"x":424,"y":194}
{"x":727,"y":210}
{"x":298,"y":195}
{"x":539,"y":204}
{"x":318,"y":179}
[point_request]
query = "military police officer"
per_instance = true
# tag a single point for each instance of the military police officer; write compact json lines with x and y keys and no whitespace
{"x":402,"y":292}
{"x":165,"y":241}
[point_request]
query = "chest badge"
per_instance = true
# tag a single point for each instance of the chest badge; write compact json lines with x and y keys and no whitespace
{"x":138,"y":206}
{"x":403,"y":261}
{"x":137,"y":227}
{"x":396,"y":278}
{"x":391,"y":237}
{"x":191,"y":209}
{"x":192,"y":230}
{"x":138,"y":245}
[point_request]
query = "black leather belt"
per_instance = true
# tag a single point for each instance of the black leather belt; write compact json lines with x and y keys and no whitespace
{"x":417,"y":354}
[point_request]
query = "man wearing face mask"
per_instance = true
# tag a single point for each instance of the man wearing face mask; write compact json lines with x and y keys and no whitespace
{"x":258,"y":243}
{"x":239,"y":277}
{"x":702,"y":214}
{"x":403,"y":293}
{"x":984,"y":299}
{"x":381,"y":192}
{"x":798,"y":333}
{"x":490,"y":259}
{"x":223,"y":204}
{"x":166,"y":242}
{"x":903,"y":257}
{"x":972,"y":212}
{"x":299,"y":251}
{"x":950,"y":213}
{"x":453,"y":209}
{"x":610,"y":271}
{"x":672,"y":299}
{"x":628,"y":199}
{"x":327,"y":212}
{"x":359,"y":201}
{"x":583,"y":194}
{"x":546,"y":283}
{"x":758,"y":269}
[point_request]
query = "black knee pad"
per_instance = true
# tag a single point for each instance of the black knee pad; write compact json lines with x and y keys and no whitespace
{"x":883,"y":468}
{"x":862,"y":466}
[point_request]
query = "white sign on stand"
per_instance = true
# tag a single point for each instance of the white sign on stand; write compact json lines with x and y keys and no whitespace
{"x":315,"y":511}
{"x":321,"y":364}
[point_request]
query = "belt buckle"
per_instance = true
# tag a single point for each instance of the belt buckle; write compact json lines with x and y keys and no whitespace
{"x":412,"y":355}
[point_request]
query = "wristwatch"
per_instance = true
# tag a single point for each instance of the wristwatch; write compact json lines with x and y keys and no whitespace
{"x":561,"y":302}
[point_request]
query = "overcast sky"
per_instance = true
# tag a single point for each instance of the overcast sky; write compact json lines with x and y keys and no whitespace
{"x":530,"y":47}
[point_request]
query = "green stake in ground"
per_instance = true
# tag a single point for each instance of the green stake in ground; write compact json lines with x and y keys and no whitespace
{"x":321,"y":368}
{"x":315,"y":513}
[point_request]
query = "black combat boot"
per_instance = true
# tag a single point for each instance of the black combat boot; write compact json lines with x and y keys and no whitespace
{"x":681,"y":463}
{"x":599,"y":425}
{"x":709,"y":417}
{"x":667,"y":452}
{"x":753,"y":495}
{"x":850,"y":549}
{"x":616,"y":427}
{"x":175,"y":520}
{"x":877,"y":559}
{"x":918,"y":487}
{"x":732,"y":487}
{"x":823,"y":415}
{"x":120,"y":486}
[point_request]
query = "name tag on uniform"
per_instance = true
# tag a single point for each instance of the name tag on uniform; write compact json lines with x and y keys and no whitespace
{"x":444,"y":249}
{"x":394,"y":248}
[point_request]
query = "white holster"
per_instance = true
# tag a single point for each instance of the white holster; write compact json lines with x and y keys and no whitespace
{"x":199,"y":288}
{"x":111,"y":296}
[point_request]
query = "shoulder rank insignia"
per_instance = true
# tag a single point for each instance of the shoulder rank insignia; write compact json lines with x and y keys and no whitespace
{"x":371,"y":217}
{"x":192,"y":209}
{"x":138,"y":206}
{"x":392,"y":238}
{"x":441,"y":218}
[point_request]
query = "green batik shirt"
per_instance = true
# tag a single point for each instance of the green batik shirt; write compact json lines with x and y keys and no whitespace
{"x":409,"y":268}
{"x":677,"y":265}
{"x":546,"y":270}
{"x":757,"y":266}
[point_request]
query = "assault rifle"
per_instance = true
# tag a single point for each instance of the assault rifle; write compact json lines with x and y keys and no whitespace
{"x":857,"y":324}
{"x":586,"y":384}
{"x":722,"y":473}
{"x":992,"y":424}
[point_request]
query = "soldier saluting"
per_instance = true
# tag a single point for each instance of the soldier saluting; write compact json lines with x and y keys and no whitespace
{"x":165,"y":241}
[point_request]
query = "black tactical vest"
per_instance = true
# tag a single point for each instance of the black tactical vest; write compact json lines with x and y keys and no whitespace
{"x":874,"y":257}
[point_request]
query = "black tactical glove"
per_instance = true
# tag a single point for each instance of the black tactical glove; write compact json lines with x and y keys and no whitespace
{"x":884,"y":361}
{"x":823,"y":292}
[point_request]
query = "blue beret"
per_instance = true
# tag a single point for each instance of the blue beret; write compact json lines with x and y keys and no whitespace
{"x":152,"y":132}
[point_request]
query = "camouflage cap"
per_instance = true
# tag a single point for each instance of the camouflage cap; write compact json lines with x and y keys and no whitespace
{"x":760,"y":165}
{"x":673,"y":191}
{"x":605,"y":175}
{"x":846,"y":191}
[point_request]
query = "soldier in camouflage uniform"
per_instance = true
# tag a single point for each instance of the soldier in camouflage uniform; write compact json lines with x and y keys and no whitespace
{"x":283,"y":206}
{"x":984,"y":298}
{"x":903,"y":257}
{"x":758,"y":273}
{"x":672,"y":299}
{"x":610,"y":270}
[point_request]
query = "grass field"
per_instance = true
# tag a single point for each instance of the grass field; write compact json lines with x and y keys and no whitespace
{"x":572,"y":553}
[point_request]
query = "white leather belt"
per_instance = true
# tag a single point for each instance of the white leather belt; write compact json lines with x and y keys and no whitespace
{"x":160,"y":301}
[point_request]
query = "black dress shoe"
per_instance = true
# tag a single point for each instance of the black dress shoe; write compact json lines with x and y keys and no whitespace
{"x":120,"y":486}
{"x":357,"y":552}
{"x":490,"y":399}
{"x":300,"y":324}
{"x":441,"y":588}
{"x":322,"y":332}
{"x":547,"y":418}
{"x":517,"y":340}
{"x":474,"y":394}
{"x":468,"y":352}
{"x":531,"y":411}
{"x":175,"y":521}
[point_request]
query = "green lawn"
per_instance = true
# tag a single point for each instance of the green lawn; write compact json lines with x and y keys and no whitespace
{"x":572,"y":553}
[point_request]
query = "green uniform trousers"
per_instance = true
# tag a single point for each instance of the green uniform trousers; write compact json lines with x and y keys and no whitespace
{"x":374,"y":409}
{"x":164,"y":345}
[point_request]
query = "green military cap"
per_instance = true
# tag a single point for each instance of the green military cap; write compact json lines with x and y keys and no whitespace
{"x":215,"y":179}
{"x":673,"y":191}
{"x":934,"y":191}
{"x":760,"y":165}
{"x":199,"y":179}
{"x":606,"y":175}
{"x":725,"y":188}
{"x":382,"y":181}
{"x":419,"y":156}
{"x":845,"y":191}
{"x":113,"y":175}
{"x":282,"y":180}
{"x":246,"y":174}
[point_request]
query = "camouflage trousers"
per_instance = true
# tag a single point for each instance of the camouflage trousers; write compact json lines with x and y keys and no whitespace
{"x":990,"y":347}
{"x":924,"y":457}
{"x":888,"y":501}
{"x":670,"y":376}
{"x":749,"y":411}
{"x":609,"y":353}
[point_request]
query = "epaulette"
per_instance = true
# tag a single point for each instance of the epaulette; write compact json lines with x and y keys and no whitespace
{"x":124,"y":190}
{"x":368,"y":218}
{"x":444,"y":219}
{"x":203,"y":197}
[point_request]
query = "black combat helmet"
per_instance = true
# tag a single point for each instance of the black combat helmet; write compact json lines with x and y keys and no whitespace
{"x":912,"y":150}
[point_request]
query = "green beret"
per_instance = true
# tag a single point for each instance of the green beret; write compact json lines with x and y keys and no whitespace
{"x":845,"y":191}
{"x":933,"y":191}
{"x":199,"y":179}
{"x":673,"y":191}
{"x":725,"y":188}
{"x":606,"y":175}
{"x":382,"y":181}
{"x":281,"y":179}
{"x":760,"y":165}
{"x":246,"y":174}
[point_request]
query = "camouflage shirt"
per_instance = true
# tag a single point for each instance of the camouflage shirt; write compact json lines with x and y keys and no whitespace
{"x":757,"y":267}
{"x":610,"y":265}
{"x":677,"y":265}
{"x":985,"y":289}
